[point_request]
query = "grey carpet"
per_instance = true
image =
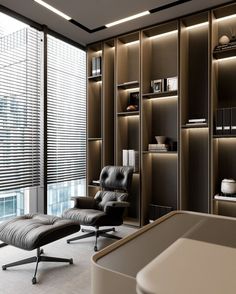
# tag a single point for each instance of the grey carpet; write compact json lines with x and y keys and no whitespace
{"x":53,"y":278}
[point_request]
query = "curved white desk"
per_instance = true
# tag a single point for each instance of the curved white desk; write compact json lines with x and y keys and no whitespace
{"x":182,"y":252}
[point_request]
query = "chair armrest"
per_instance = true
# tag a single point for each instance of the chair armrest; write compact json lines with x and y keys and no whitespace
{"x":84,"y":202}
{"x":116,"y":208}
{"x":117,"y":204}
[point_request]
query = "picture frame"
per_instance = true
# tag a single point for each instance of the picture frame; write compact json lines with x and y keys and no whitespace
{"x":157,"y":85}
{"x":172,"y":84}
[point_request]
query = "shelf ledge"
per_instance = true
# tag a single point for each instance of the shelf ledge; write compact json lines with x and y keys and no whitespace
{"x":128,"y":113}
{"x":163,"y":95}
{"x":195,"y":126}
{"x":225,"y":198}
{"x":95,"y":78}
{"x":128,"y":85}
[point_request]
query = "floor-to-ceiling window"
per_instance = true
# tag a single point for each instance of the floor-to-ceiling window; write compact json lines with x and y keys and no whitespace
{"x":66,"y":124}
{"x":22,"y":120}
{"x":20,"y":56}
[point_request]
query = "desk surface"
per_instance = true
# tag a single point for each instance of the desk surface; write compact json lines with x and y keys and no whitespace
{"x":178,"y":253}
{"x":203,"y":261}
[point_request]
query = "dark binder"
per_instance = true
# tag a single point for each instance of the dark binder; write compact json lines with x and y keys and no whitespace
{"x":219,"y":122}
{"x":233,"y":120}
{"x":227,"y":121}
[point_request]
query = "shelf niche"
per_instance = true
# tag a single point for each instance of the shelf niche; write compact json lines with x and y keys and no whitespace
{"x":194,"y":170}
{"x":160,"y":54}
{"x":159,"y":184}
{"x":128,"y":50}
{"x":194,"y":67}
{"x":224,"y":162}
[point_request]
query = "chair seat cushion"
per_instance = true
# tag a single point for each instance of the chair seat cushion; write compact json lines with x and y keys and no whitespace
{"x":91,"y":217}
{"x":35,"y":230}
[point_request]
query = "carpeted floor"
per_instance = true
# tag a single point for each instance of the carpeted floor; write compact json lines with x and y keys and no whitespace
{"x":53,"y":278}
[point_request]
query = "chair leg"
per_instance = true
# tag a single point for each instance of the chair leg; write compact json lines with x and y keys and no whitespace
{"x":20,"y":262}
{"x":96,"y":239}
{"x":81,"y":237}
{"x":86,"y":230}
{"x":109,"y":236}
{"x":37,"y":259}
{"x":107,"y":230}
{"x":55,"y":259}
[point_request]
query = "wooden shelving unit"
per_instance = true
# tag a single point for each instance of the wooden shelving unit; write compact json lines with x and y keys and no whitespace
{"x":223,"y":96}
{"x":189,"y":174}
{"x":195,"y":100}
{"x":100,"y":113}
{"x":159,"y":118}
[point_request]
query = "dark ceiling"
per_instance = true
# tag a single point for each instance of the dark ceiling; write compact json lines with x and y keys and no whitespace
{"x":96,"y":13}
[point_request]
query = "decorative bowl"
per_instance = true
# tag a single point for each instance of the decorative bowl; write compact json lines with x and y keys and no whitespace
{"x":160,"y":139}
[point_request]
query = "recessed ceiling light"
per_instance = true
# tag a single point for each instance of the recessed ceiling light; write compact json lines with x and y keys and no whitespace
{"x":53,"y":9}
{"x":127,"y":18}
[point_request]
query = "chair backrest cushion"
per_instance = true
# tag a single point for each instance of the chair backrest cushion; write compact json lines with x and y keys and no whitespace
{"x":102,"y":197}
{"x":116,"y":178}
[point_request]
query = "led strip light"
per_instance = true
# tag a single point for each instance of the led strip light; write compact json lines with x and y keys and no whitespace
{"x":129,"y":18}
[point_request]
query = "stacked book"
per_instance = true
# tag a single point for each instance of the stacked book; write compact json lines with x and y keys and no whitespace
{"x":131,"y":158}
{"x":230,"y":45}
{"x":196,"y":121}
{"x":158,"y":147}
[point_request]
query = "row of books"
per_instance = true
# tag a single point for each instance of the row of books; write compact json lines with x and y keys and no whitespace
{"x":96,"y":65}
{"x":230,"y":45}
{"x":225,"y":123}
{"x":131,"y":158}
{"x":158,"y":147}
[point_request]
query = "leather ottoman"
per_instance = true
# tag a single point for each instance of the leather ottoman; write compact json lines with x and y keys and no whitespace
{"x":32,"y":231}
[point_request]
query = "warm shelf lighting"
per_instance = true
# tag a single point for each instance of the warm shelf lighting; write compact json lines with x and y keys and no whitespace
{"x":53,"y":9}
{"x":132,"y":89}
{"x":127,"y":19}
{"x":132,"y":43}
{"x":226,"y":17}
{"x":99,"y":52}
{"x":226,"y":58}
{"x":163,"y":98}
{"x":199,"y":25}
{"x":163,"y":35}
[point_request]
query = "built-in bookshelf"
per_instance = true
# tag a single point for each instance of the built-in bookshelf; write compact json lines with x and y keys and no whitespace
{"x":128,"y":121}
{"x":177,"y":78}
{"x":100,"y":111}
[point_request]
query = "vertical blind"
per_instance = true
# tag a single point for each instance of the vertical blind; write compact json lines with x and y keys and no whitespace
{"x":20,"y":57}
{"x":66,"y":116}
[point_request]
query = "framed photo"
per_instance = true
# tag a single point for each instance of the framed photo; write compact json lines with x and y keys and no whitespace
{"x":157,"y":86}
{"x":172,"y":84}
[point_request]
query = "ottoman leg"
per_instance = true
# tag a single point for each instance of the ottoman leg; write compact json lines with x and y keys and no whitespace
{"x":20,"y":262}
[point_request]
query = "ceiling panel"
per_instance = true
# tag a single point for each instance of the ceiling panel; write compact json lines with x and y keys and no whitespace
{"x":95,"y":13}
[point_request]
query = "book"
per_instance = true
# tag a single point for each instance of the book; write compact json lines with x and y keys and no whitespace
{"x":158,"y":147}
{"x":125,"y":157}
{"x":134,"y":160}
{"x":197,"y":120}
{"x":226,"y":121}
{"x":233,"y":120}
{"x":219,"y":122}
{"x":96,"y":182}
